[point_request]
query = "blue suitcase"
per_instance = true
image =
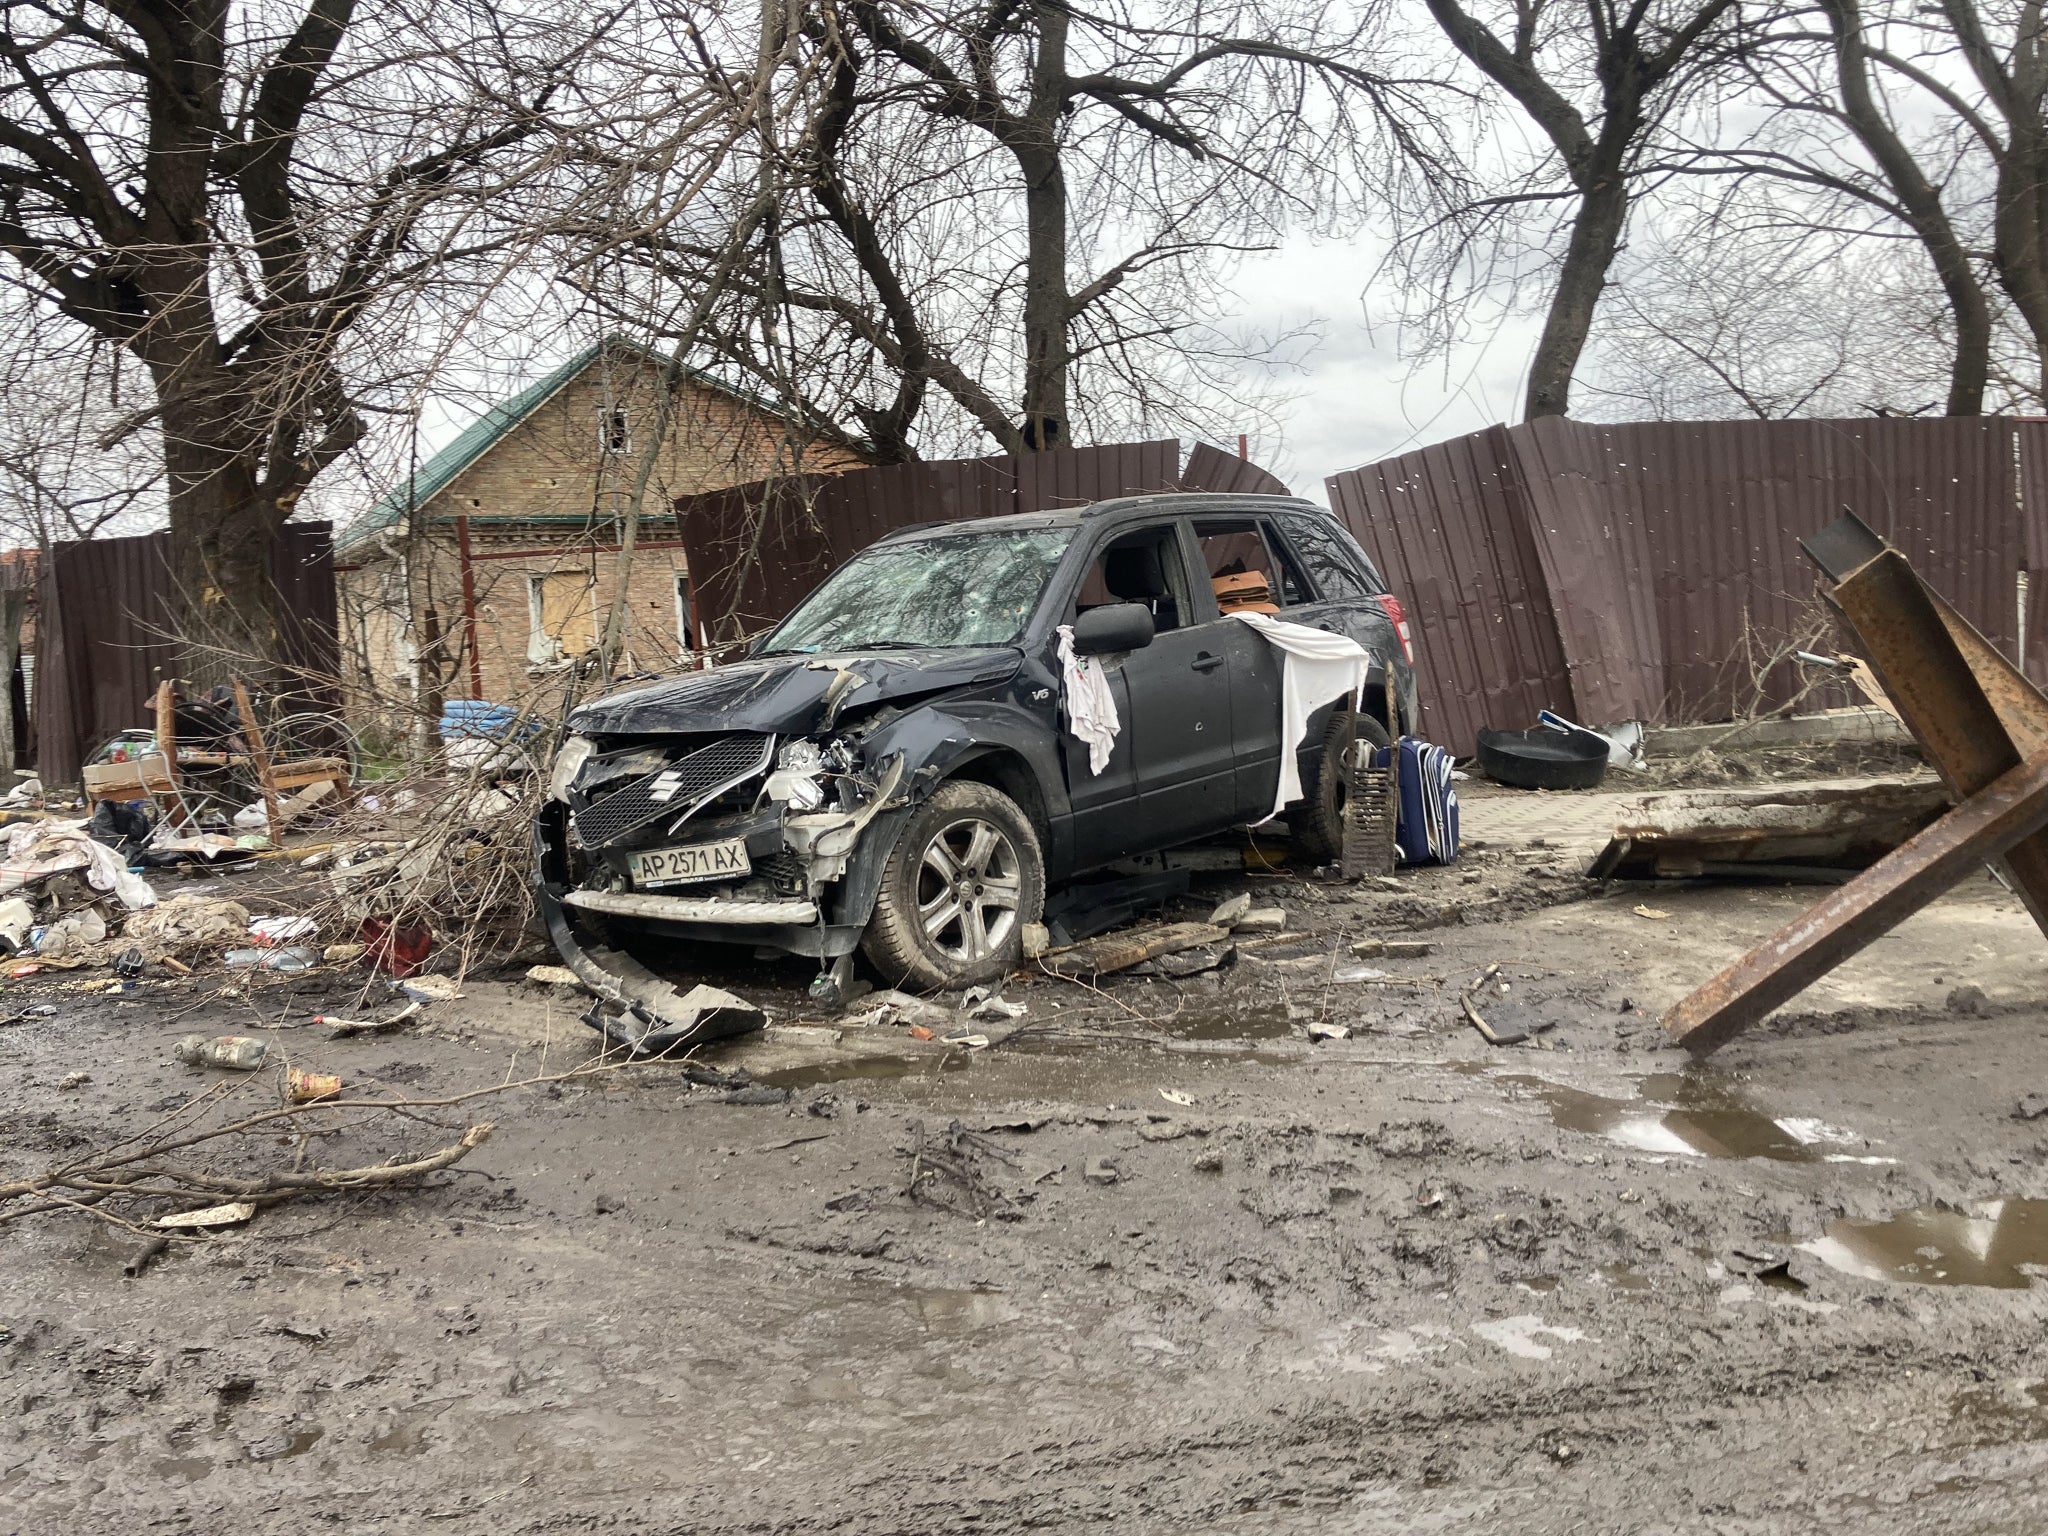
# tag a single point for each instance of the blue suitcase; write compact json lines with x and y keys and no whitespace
{"x":1426,"y":829}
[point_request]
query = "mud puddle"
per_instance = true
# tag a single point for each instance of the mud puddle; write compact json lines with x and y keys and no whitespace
{"x":932,"y":1064}
{"x":2000,"y":1244}
{"x":1688,"y":1115}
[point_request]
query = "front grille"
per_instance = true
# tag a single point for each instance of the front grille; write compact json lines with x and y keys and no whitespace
{"x":679,"y":785}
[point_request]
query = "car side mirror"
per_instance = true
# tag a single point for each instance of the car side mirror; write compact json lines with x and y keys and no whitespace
{"x":1113,"y":627}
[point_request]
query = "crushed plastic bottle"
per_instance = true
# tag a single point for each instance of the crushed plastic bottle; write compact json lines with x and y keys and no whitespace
{"x":237,"y":1053}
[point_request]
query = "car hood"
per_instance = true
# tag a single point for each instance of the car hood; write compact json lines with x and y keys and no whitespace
{"x":783,"y":694}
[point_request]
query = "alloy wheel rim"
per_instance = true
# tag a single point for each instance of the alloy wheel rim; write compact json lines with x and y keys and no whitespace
{"x":970,"y":887}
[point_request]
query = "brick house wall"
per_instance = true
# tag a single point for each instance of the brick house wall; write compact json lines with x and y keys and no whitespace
{"x":542,"y":504}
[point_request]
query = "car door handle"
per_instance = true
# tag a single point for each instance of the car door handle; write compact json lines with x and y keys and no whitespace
{"x":1204,"y":662}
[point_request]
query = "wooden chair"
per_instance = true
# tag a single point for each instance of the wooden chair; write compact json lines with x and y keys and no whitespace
{"x":280,"y":778}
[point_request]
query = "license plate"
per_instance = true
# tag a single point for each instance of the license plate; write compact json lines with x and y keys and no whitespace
{"x":699,"y":861}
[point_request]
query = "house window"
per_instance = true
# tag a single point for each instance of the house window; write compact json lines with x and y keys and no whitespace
{"x":684,"y":620}
{"x":561,"y":613}
{"x":615,"y":431}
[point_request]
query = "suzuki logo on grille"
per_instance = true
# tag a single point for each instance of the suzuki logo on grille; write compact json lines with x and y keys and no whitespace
{"x":663,"y":789}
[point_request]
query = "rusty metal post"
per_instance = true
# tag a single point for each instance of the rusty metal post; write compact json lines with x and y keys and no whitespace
{"x":1982,"y":725}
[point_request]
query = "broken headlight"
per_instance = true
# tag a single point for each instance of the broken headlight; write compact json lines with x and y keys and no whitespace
{"x":568,"y":763}
{"x":795,"y":780}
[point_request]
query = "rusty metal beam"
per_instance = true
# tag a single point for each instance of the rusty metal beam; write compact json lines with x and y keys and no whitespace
{"x":2014,"y":806}
{"x":1984,"y":728}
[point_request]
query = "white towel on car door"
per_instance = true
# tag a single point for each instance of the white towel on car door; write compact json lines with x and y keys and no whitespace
{"x":1091,"y":707}
{"x":1317,"y":667}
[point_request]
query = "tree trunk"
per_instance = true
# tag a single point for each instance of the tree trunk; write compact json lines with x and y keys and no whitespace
{"x":1047,"y":301}
{"x":222,"y":534}
{"x":2020,"y":249}
{"x":1971,"y":370}
{"x":1596,"y":236}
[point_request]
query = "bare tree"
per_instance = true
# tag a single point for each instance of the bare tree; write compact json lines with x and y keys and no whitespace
{"x":1597,"y":78}
{"x":1021,"y":211}
{"x":228,"y":193}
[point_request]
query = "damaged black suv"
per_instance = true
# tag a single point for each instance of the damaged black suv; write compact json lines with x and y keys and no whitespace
{"x":895,"y":767}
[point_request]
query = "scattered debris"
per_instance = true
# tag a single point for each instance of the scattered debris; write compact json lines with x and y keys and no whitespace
{"x":1037,"y":940}
{"x":901,"y":1008}
{"x":397,"y":949}
{"x":342,"y":954}
{"x":1101,"y":1170}
{"x":1233,"y":909}
{"x":1323,"y":1030}
{"x":982,"y":1003}
{"x":71,"y":934}
{"x":431,"y":989}
{"x":303,"y":1087}
{"x":1175,"y":1096}
{"x":1969,"y":1000}
{"x":553,"y":976}
{"x":236,"y":1053}
{"x":143,"y":1255}
{"x":341,"y":1029}
{"x":186,"y":925}
{"x":233,"y":1213}
{"x":276,"y":930}
{"x":2032,"y":1107}
{"x":1655,"y":914}
{"x":1261,"y":920}
{"x":1393,"y":949}
{"x":72,"y":1080}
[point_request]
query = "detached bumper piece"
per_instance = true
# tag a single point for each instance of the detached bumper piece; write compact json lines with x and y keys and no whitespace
{"x":652,"y":1017}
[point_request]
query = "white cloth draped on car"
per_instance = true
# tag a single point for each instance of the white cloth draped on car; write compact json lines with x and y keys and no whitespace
{"x":1317,"y":666}
{"x":1091,"y":707}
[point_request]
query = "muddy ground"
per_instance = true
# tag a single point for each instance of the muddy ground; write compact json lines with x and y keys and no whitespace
{"x":1157,"y":1262}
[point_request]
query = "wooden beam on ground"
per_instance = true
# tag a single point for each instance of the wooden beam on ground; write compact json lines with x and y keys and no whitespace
{"x":1133,"y":946}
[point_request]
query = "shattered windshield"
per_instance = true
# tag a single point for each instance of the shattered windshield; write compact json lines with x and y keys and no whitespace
{"x":964,"y":589}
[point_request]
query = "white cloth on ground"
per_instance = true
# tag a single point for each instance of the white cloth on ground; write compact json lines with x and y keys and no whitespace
{"x":35,"y":850}
{"x":1317,"y":667}
{"x":1091,"y":707}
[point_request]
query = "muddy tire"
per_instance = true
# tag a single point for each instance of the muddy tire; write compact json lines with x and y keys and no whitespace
{"x":1317,"y":818}
{"x":961,"y":883}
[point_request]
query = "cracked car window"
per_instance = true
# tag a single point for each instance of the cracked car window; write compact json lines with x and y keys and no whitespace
{"x":965,"y":589}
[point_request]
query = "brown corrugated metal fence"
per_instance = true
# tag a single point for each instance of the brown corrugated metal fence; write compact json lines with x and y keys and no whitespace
{"x":1647,"y":570}
{"x":756,"y":551}
{"x":104,"y":627}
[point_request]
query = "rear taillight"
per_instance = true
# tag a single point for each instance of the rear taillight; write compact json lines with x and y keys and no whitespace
{"x":1399,"y":618}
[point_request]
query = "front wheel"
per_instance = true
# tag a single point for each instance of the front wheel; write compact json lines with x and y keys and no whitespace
{"x":962,"y":881}
{"x":1317,"y":819}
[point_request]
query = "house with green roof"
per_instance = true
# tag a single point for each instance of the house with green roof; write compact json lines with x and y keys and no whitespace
{"x":493,"y":562}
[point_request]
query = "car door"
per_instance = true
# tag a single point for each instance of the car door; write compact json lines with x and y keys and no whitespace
{"x":1175,"y":696}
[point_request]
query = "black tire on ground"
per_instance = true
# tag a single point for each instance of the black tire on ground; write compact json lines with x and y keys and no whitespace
{"x":962,"y":881}
{"x":1317,"y":819}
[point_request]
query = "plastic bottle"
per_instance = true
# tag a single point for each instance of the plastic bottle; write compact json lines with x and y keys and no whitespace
{"x":238,"y":1053}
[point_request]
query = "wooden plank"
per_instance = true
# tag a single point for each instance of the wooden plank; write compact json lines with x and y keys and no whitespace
{"x":1120,"y":951}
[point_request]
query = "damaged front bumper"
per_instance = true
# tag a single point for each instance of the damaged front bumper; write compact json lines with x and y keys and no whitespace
{"x":808,"y":894}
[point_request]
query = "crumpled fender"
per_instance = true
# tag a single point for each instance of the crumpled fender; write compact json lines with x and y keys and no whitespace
{"x":934,"y":742}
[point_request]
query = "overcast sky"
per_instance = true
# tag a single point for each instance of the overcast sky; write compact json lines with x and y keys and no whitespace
{"x":1358,"y":399}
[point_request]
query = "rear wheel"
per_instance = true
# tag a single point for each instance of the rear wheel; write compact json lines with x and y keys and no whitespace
{"x":964,"y":878}
{"x":1317,"y":819}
